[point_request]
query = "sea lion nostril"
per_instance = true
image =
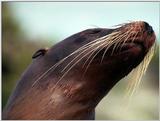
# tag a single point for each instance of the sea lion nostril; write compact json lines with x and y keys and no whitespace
{"x":146,"y":25}
{"x":148,"y":28}
{"x":95,"y":31}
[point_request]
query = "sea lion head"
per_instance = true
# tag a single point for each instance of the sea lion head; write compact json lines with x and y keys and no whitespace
{"x":75,"y":74}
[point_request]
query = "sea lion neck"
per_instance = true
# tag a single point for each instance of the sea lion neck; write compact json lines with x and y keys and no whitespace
{"x":79,"y":103}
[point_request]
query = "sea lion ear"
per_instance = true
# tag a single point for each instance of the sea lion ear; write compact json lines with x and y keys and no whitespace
{"x":39,"y":52}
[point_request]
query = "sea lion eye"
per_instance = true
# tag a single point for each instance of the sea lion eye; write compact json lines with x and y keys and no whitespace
{"x":80,"y":39}
{"x":39,"y":52}
{"x":95,"y":31}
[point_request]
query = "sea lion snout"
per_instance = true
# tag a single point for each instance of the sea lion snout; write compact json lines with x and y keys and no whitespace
{"x":141,"y":34}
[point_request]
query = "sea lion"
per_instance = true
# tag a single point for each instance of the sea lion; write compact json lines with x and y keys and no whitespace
{"x":68,"y":80}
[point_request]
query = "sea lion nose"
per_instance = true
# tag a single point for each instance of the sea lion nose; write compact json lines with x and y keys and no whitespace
{"x":148,"y":28}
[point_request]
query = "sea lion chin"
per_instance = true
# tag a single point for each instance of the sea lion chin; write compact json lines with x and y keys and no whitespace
{"x":68,"y":80}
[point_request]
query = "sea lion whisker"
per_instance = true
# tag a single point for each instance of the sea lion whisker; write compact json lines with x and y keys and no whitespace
{"x":135,"y":34}
{"x":117,"y":44}
{"x":143,"y":66}
{"x":118,"y":41}
{"x":134,"y":37}
{"x":122,"y":44}
{"x":92,"y":59}
{"x":140,"y":71}
{"x":90,"y":55}
{"x":97,"y":41}
{"x":107,"y":47}
{"x":107,"y":43}
{"x":137,"y":80}
{"x":78,"y":61}
{"x":93,"y":53}
{"x":89,"y":47}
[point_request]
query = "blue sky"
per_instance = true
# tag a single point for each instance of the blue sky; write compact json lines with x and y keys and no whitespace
{"x":50,"y":20}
